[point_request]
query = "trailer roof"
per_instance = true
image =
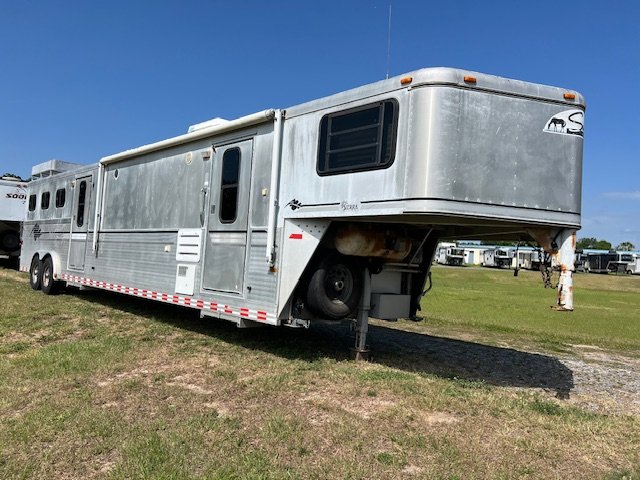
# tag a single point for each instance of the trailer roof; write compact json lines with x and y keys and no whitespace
{"x":423,"y":77}
{"x":199,"y":132}
{"x":445,"y":76}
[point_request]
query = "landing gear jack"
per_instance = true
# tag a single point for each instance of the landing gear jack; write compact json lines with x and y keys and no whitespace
{"x":361,"y":350}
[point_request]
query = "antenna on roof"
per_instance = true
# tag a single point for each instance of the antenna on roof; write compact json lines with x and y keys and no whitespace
{"x":389,"y":41}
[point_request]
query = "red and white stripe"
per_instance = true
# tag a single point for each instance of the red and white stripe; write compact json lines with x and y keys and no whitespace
{"x":242,"y":312}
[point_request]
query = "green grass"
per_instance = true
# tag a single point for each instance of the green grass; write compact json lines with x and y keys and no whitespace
{"x":96,"y":385}
{"x":606,"y":307}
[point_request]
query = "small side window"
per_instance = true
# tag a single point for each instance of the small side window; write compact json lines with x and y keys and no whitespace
{"x":45,"y":200}
{"x":32,"y":202}
{"x":362,"y":138}
{"x":82,"y":194}
{"x":229,"y":185}
{"x":60,"y":197}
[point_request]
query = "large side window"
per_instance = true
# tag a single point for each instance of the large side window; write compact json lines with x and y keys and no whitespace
{"x":60,"y":197}
{"x":229,"y":185}
{"x":362,"y":138}
{"x":32,"y":202}
{"x":45,"y":200}
{"x":82,"y":194}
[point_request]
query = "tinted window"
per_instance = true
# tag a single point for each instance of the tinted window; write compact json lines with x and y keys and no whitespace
{"x":82,"y":194}
{"x":358,"y":139}
{"x":32,"y":203}
{"x":44,"y":200}
{"x":229,"y":185}
{"x":60,"y":197}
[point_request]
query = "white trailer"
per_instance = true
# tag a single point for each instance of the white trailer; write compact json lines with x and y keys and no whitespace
{"x":633,"y":267}
{"x":13,"y":197}
{"x":449,"y":254}
{"x":327,"y":210}
{"x":499,"y":257}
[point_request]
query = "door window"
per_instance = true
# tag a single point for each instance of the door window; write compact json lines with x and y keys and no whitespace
{"x":229,"y":185}
{"x":82,"y":194}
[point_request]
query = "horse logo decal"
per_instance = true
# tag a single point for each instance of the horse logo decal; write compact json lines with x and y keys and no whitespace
{"x":567,"y":122}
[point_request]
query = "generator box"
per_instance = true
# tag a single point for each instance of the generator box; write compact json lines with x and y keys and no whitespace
{"x":388,"y":306}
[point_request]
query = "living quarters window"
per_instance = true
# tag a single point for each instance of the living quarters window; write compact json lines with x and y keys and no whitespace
{"x":32,"y":202}
{"x":229,"y":185}
{"x":60,"y":197}
{"x":362,"y":138}
{"x":45,"y":200}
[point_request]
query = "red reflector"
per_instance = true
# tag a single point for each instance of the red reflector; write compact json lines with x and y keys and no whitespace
{"x":295,"y":236}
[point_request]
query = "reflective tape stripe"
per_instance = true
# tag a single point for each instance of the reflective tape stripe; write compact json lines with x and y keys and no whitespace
{"x":242,"y":312}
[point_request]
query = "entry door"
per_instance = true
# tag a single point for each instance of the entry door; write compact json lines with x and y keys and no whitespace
{"x":80,"y":221}
{"x":226,"y":239}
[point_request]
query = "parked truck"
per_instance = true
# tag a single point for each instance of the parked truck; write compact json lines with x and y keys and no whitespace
{"x":330,"y":209}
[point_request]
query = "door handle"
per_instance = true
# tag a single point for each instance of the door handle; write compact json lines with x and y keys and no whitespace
{"x":203,"y":199}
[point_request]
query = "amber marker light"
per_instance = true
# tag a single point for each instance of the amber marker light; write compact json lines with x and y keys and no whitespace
{"x":470,"y":79}
{"x":406,"y":80}
{"x":569,"y":96}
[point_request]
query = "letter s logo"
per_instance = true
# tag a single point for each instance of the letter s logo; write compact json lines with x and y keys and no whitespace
{"x":576,"y":118}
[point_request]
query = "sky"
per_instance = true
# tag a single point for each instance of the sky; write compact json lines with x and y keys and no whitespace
{"x":83,"y":79}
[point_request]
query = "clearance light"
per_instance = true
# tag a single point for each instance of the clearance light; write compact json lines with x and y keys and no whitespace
{"x":569,"y":96}
{"x":470,"y":79}
{"x":406,"y":80}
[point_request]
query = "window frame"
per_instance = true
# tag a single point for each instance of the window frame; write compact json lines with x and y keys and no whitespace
{"x":324,"y":140}
{"x":45,"y":195}
{"x":33,"y":202}
{"x":64,"y":197}
{"x":82,"y":201}
{"x":224,"y":187}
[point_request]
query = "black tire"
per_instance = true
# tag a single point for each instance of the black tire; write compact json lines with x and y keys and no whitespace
{"x":35,"y":273}
{"x":48,"y":284}
{"x":9,"y":241}
{"x":335,"y":287}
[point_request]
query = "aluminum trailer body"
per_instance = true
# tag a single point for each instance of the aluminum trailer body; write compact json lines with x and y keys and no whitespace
{"x":329,"y":209}
{"x":13,"y":197}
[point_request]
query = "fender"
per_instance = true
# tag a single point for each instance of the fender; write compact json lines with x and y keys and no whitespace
{"x":55,"y":258}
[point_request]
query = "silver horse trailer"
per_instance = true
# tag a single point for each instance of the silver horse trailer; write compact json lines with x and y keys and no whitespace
{"x":327,"y":210}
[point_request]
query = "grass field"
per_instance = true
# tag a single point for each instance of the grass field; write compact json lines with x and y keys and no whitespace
{"x":607,"y":307}
{"x":96,"y":385}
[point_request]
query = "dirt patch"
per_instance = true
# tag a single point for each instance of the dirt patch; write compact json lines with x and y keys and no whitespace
{"x":434,"y":418}
{"x":330,"y":399}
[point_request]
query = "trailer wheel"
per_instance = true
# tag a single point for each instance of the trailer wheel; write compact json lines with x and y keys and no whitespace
{"x":335,"y":287}
{"x":35,"y":273}
{"x":49,"y":285}
{"x":9,"y":241}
